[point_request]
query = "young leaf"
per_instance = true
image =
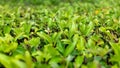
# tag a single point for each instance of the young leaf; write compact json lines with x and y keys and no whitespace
{"x":89,"y":28}
{"x":34,"y":41}
{"x":5,"y":60}
{"x":81,"y":43}
{"x":45,"y":37}
{"x":28,"y":60}
{"x":78,"y":61}
{"x":71,"y":46}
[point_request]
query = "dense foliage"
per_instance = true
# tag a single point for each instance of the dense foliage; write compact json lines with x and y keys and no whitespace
{"x":60,"y":34}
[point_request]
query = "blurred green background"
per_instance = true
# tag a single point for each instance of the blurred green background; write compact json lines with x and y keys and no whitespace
{"x":46,"y":2}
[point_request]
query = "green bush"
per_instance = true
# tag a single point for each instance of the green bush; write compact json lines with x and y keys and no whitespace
{"x":59,"y":34}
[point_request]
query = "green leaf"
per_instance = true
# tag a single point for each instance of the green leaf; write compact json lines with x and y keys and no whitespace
{"x":28,"y":60}
{"x":91,"y":43}
{"x":18,"y":64}
{"x":114,"y":66}
{"x":66,"y":41}
{"x":34,"y":41}
{"x":7,"y":44}
{"x":116,"y":48}
{"x":81,"y":43}
{"x":89,"y":28}
{"x":82,"y":28}
{"x":78,"y":61}
{"x":7,"y":29}
{"x":51,"y":50}
{"x":56,"y":60}
{"x":71,"y":46}
{"x":5,"y":60}
{"x":45,"y":37}
{"x":92,"y":64}
{"x":60,"y":47}
{"x":102,"y":29}
{"x":56,"y":36}
{"x":27,"y":28}
{"x":19,"y":50}
{"x":72,"y":28}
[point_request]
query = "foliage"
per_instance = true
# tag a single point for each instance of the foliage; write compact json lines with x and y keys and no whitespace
{"x":60,"y":34}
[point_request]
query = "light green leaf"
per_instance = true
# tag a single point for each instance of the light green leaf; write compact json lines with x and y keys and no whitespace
{"x":71,"y":46}
{"x":5,"y":60}
{"x":34,"y":41}
{"x":89,"y":28}
{"x":78,"y":61}
{"x":28,"y":60}
{"x":45,"y":37}
{"x":81,"y":43}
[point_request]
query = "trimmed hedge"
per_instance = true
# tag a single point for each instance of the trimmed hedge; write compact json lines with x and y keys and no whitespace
{"x":57,"y":34}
